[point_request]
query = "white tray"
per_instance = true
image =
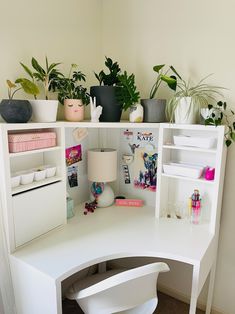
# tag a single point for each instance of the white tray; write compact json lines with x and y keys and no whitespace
{"x":200,"y":142}
{"x":184,"y":170}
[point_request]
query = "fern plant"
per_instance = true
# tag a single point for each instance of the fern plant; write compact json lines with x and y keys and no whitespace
{"x":126,"y":92}
{"x":111,"y":78}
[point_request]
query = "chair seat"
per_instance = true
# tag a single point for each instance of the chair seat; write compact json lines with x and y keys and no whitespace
{"x":119,"y":291}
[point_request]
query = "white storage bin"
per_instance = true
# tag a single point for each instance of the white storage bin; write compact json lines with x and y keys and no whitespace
{"x":15,"y":180}
{"x":39,"y":174}
{"x":50,"y":171}
{"x":26,"y":177}
{"x":200,"y":142}
{"x":184,"y":170}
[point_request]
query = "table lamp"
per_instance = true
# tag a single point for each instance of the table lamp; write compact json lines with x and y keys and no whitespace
{"x":102,"y":168}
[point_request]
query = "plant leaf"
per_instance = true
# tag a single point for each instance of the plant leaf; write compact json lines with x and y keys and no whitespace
{"x":157,"y":68}
{"x":37,"y":67}
{"x":228,"y":143}
{"x":170,"y":80}
{"x":10,"y":84}
{"x":28,"y":86}
{"x":27,"y":70}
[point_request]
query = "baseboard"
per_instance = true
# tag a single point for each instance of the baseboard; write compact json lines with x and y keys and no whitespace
{"x":184,"y":298}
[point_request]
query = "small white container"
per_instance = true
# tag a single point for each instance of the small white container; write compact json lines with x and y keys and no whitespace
{"x":26,"y":177}
{"x":184,"y":170}
{"x":15,"y":180}
{"x":39,"y":174}
{"x":50,"y":171}
{"x":200,"y":142}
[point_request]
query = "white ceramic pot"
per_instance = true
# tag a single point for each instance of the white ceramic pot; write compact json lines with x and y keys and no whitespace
{"x":136,"y":113}
{"x":44,"y":110}
{"x":185,"y":112}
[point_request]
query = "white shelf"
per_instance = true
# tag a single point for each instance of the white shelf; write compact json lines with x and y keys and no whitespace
{"x":35,"y":184}
{"x":35,"y":151}
{"x":200,"y":180}
{"x":191,"y":149}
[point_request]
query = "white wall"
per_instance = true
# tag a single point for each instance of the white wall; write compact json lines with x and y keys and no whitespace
{"x":66,"y":31}
{"x":197,"y":37}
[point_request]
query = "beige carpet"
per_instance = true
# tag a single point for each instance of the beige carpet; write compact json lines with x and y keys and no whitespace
{"x":166,"y":305}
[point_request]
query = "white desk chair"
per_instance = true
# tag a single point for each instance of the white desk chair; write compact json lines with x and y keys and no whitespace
{"x":131,"y":291}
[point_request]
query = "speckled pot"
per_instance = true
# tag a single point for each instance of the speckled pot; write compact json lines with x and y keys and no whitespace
{"x":15,"y":110}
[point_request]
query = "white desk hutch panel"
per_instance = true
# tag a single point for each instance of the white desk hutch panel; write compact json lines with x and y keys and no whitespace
{"x":43,"y":255}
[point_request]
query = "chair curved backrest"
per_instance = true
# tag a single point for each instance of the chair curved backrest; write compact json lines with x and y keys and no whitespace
{"x":131,"y":291}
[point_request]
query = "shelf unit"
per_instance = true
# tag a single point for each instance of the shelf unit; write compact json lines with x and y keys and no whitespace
{"x":31,"y":212}
{"x":174,"y":190}
{"x":24,"y":219}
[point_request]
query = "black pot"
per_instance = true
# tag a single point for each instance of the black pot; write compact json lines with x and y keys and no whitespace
{"x":106,"y":98}
{"x":154,"y":110}
{"x":15,"y":110}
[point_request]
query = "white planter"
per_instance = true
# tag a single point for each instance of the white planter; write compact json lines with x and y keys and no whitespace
{"x":136,"y":113}
{"x":185,"y":112}
{"x":44,"y":110}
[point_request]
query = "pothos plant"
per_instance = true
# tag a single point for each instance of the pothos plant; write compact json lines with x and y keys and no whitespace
{"x":163,"y":77}
{"x":126,"y":92}
{"x":218,"y":114}
{"x":70,"y":88}
{"x":47,"y":75}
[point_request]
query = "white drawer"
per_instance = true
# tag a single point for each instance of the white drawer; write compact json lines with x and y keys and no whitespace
{"x":38,"y":211}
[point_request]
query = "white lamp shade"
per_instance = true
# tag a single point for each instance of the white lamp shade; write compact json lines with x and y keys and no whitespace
{"x":102,"y":165}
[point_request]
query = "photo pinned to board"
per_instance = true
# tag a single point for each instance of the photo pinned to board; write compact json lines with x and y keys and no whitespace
{"x":126,"y":174}
{"x":73,"y":154}
{"x":145,"y":168}
{"x":72,"y":173}
{"x":128,"y":135}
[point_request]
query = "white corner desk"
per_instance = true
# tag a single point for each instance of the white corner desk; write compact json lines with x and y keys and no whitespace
{"x":108,"y":233}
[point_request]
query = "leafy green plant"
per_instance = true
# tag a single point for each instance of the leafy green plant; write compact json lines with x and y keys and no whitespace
{"x":48,"y":75}
{"x":201,"y":94}
{"x":162,"y":77}
{"x":112,"y":77}
{"x":218,"y":114}
{"x":69,"y":87}
{"x":126,"y":92}
{"x":23,"y":83}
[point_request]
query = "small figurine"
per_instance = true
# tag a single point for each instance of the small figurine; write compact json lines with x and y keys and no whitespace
{"x":90,"y":207}
{"x":95,"y":111}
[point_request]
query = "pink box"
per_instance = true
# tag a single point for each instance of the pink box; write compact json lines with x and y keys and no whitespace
{"x":20,"y":142}
{"x":129,"y":202}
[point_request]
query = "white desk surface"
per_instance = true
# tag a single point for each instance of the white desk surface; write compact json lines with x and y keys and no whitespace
{"x":111,"y":233}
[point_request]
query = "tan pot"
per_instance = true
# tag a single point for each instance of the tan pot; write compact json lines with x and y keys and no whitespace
{"x":73,"y":110}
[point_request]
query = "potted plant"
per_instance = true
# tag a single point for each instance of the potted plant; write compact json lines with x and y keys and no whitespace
{"x":154,"y":108}
{"x":72,"y":94}
{"x":184,"y":107}
{"x":105,"y":93}
{"x":218,"y":114}
{"x":44,"y":110}
{"x":128,"y":96}
{"x":18,"y":110}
